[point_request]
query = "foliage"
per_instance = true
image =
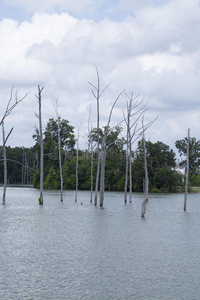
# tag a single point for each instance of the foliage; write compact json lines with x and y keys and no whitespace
{"x":194,"y":154}
{"x":160,"y":161}
{"x":23,"y":163}
{"x":67,"y":138}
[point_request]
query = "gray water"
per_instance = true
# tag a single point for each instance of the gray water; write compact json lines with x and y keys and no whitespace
{"x":71,"y":251}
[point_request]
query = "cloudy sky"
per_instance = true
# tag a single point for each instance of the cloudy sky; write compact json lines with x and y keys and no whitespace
{"x":148,"y":47}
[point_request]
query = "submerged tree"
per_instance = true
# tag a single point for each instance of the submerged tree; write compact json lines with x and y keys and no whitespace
{"x":39,"y":116}
{"x":103,"y":153}
{"x":110,"y":145}
{"x":77,"y":150}
{"x":9,"y":108}
{"x":59,"y":155}
{"x":135,"y":110}
{"x":90,"y":152}
{"x":146,"y":180}
{"x":97,"y":93}
{"x":187,"y":170}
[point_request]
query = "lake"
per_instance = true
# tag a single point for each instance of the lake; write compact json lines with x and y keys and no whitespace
{"x":71,"y":251}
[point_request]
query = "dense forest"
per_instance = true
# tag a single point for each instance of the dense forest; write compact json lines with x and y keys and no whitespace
{"x":23,"y":163}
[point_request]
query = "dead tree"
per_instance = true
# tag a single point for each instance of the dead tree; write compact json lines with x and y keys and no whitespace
{"x":146,"y":180}
{"x":103,"y":153}
{"x":59,"y":154}
{"x":187,"y":171}
{"x":39,"y":116}
{"x":77,"y":150}
{"x":5,"y":165}
{"x":97,"y":95}
{"x":134,"y":110}
{"x":9,"y":108}
{"x":127,"y":156}
{"x":90,"y":152}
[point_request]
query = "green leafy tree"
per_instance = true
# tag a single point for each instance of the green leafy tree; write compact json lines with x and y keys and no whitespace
{"x":194,"y":154}
{"x":52,"y":180}
{"x":50,"y":140}
{"x":161,"y":163}
{"x":67,"y":138}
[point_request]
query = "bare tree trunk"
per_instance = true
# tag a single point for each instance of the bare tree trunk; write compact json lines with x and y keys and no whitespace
{"x":39,"y":116}
{"x":103,"y":161}
{"x":187,"y":171}
{"x":77,"y":170}
{"x":9,"y":109}
{"x":98,"y":151}
{"x":60,"y":163}
{"x":146,"y":186}
{"x":126,"y":171}
{"x":129,"y":141}
{"x":91,"y":172}
{"x":90,"y":156}
{"x":59,"y":154}
{"x":130,"y":172}
{"x":5,"y":164}
{"x":97,"y":96}
{"x":103,"y":153}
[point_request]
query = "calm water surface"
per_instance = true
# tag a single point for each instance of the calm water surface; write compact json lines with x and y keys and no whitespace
{"x":70,"y":251}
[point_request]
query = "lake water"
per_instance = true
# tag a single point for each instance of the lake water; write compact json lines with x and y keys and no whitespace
{"x":68,"y":251}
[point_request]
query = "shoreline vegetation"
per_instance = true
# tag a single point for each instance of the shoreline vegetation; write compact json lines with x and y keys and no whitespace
{"x":165,"y":175}
{"x":191,"y":190}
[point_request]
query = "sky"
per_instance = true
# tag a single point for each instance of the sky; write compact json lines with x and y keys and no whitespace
{"x":147,"y":48}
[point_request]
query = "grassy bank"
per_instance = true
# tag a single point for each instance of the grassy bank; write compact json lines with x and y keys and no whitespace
{"x":195,"y":189}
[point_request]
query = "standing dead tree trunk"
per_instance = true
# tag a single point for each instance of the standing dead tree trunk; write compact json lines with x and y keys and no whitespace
{"x":133,"y":133}
{"x":187,"y":171}
{"x":97,"y":95}
{"x":9,"y":109}
{"x":127,"y":160}
{"x":103,"y":162}
{"x":146,"y":181}
{"x":59,"y":154}
{"x":39,"y":116}
{"x":103,"y":153}
{"x":5,"y":165}
{"x":60,"y":163}
{"x":77,"y":150}
{"x":90,"y":152}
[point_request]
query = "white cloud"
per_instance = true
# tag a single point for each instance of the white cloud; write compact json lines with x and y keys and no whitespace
{"x":155,"y":53}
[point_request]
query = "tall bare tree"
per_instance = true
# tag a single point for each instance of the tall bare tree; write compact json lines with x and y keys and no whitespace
{"x":39,"y":116}
{"x":187,"y":171}
{"x":9,"y":108}
{"x":77,"y":150}
{"x":135,"y":109}
{"x":97,"y":93}
{"x":146,"y":180}
{"x":59,"y":154}
{"x":90,"y":152}
{"x":103,"y":153}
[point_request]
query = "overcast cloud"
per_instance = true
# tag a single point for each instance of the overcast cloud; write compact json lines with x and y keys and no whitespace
{"x":149,"y":47}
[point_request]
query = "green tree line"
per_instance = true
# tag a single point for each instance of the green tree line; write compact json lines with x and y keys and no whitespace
{"x":23,"y":163}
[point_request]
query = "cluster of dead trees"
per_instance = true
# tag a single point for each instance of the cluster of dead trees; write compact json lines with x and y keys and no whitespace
{"x":135,"y":128}
{"x":133,"y":118}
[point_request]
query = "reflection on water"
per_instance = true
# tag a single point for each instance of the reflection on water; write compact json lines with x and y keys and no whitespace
{"x":71,"y":251}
